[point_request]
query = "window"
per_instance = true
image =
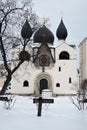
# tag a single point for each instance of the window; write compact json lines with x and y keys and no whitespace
{"x":59,"y":68}
{"x":70,"y":80}
{"x":64,"y":55}
{"x":57,"y":84}
{"x":25,"y":83}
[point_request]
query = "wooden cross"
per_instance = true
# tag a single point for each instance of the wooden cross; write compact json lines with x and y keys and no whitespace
{"x":40,"y":100}
{"x":4,"y":98}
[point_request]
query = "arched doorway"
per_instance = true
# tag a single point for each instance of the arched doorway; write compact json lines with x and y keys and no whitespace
{"x":43,"y":85}
{"x":40,"y":78}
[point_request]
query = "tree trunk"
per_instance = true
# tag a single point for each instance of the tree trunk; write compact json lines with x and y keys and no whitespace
{"x":6,"y":83}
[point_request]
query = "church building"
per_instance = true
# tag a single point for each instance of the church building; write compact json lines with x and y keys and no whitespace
{"x":83,"y":60}
{"x":50,"y":67}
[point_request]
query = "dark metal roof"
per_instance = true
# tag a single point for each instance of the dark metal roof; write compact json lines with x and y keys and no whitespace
{"x":73,"y":46}
{"x":26,"y":31}
{"x":61,"y":32}
{"x":43,"y":35}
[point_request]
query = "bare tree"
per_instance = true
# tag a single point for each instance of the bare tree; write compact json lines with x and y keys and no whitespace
{"x":11,"y":22}
{"x":84,"y":86}
{"x":80,"y":100}
{"x":8,"y":105}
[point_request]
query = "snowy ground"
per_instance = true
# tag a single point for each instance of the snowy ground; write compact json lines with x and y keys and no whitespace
{"x":62,"y":115}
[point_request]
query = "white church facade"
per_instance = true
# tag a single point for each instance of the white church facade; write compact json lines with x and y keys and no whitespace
{"x":50,"y":67}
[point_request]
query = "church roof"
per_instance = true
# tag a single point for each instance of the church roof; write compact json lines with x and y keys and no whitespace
{"x":83,"y":42}
{"x":73,"y":46}
{"x":26,"y":31}
{"x":61,"y":32}
{"x":43,"y":35}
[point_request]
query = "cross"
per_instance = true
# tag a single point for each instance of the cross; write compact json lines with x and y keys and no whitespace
{"x":44,"y":20}
{"x":4,"y":98}
{"x":40,"y":100}
{"x":62,"y":14}
{"x":26,"y":14}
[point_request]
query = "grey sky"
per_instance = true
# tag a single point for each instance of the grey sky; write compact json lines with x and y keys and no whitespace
{"x":75,"y":17}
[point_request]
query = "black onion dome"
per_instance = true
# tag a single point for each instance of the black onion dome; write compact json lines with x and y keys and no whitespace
{"x":43,"y":35}
{"x":61,"y":32}
{"x":26,"y":31}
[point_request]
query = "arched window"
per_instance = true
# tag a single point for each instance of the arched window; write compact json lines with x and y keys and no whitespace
{"x":64,"y":55}
{"x":25,"y":83}
{"x":57,"y":84}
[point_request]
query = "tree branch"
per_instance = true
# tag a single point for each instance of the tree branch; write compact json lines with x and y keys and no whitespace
{"x":14,"y":9}
{"x":3,"y":51}
{"x":17,"y":67}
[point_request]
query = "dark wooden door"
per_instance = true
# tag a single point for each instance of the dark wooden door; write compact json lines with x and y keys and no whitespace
{"x":43,"y":85}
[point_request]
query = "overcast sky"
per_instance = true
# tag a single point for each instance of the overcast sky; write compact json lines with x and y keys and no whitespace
{"x":75,"y":17}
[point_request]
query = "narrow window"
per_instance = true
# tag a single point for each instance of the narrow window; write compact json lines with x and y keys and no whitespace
{"x":25,"y":83}
{"x":57,"y":84}
{"x":59,"y":68}
{"x":70,"y":80}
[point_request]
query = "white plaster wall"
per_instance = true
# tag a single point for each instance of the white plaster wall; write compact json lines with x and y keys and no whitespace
{"x":25,"y":72}
{"x":83,"y":59}
{"x":65,"y":47}
{"x":30,"y":73}
{"x":68,"y":69}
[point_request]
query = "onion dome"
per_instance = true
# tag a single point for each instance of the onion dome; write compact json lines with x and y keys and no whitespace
{"x":24,"y":56}
{"x":61,"y":32}
{"x":43,"y":35}
{"x":26,"y":31}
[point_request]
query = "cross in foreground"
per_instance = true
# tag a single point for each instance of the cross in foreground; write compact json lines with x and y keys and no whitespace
{"x":40,"y":100}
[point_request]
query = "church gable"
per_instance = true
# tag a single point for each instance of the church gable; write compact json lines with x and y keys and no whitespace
{"x":44,"y":56}
{"x":65,"y":51}
{"x":43,"y":49}
{"x":66,"y":46}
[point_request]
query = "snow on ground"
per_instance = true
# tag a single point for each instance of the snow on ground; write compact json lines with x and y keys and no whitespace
{"x":62,"y":115}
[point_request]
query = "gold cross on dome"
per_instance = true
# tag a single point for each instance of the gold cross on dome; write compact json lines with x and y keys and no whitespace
{"x":26,"y":14}
{"x":44,"y":20}
{"x":62,"y":14}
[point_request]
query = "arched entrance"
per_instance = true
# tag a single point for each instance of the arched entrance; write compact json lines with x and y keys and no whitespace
{"x":43,"y":85}
{"x":42,"y":81}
